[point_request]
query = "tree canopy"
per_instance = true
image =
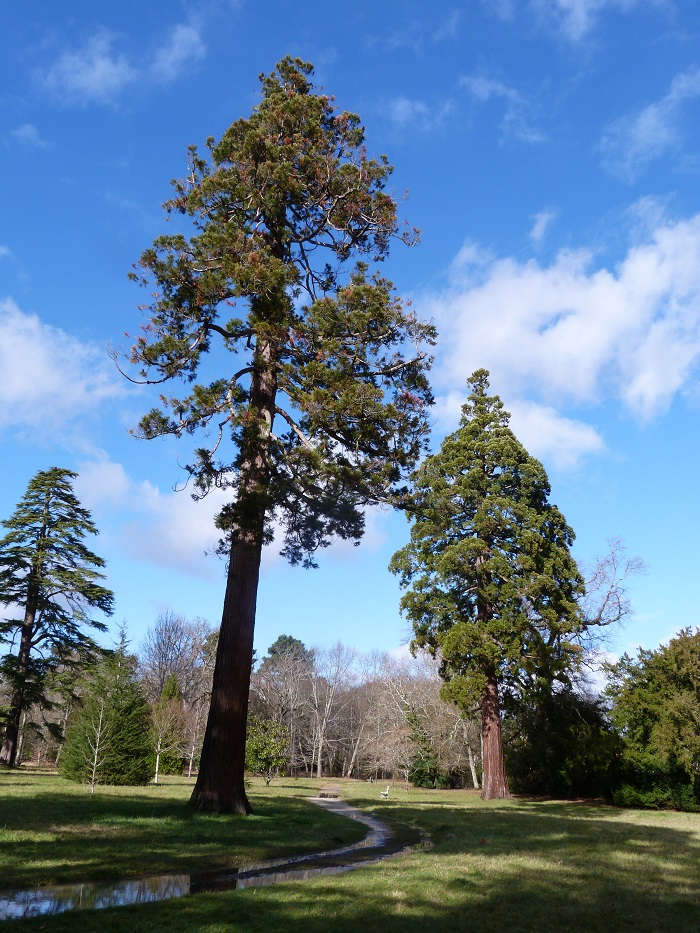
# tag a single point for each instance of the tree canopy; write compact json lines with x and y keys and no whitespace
{"x":655,"y":706}
{"x":491,"y":586}
{"x":320,"y":409}
{"x":49,"y":580}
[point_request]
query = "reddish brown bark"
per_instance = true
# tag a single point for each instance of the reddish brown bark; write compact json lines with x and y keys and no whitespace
{"x":220,"y":786}
{"x":495,"y":781}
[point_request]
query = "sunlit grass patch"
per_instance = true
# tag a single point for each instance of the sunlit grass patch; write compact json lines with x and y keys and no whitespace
{"x":54,"y":832}
{"x":519,"y":866}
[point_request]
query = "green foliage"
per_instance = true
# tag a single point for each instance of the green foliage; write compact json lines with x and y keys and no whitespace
{"x":171,"y":690}
{"x":492,"y":588}
{"x":660,"y":795}
{"x":51,"y":581}
{"x":560,"y":744}
{"x":285,"y":650}
{"x":655,"y":707}
{"x":108,"y":737}
{"x":267,"y":747}
{"x":493,"y":585}
{"x":279,"y":206}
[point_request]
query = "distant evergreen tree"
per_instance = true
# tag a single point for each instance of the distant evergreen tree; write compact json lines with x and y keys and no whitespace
{"x":655,"y":707}
{"x":48,"y":573}
{"x":108,"y":738}
{"x":492,"y":588}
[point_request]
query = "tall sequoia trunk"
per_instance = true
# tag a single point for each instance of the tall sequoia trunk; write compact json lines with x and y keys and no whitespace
{"x":494,"y":782}
{"x":220,"y":786}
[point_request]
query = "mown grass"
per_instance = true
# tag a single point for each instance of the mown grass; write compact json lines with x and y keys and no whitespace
{"x":521,"y":865}
{"x":54,"y":832}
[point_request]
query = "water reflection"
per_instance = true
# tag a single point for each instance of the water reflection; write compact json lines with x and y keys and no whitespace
{"x":63,"y":897}
{"x":381,"y":842}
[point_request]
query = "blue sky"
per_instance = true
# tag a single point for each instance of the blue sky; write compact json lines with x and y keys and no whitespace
{"x":551,"y":154}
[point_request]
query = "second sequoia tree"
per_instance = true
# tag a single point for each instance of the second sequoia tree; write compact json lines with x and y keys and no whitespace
{"x":492,"y":587}
{"x":319,"y":407}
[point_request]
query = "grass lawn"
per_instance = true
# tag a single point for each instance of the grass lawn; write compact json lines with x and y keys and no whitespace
{"x":520,"y":865}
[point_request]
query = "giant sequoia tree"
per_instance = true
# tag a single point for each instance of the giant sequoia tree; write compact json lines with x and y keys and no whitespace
{"x":492,"y":588}
{"x":320,"y":409}
{"x":49,"y":580}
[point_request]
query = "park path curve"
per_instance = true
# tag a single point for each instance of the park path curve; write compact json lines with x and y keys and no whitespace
{"x":381,"y":842}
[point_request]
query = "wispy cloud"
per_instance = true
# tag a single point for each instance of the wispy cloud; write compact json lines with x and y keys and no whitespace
{"x":64,"y":382}
{"x":503,"y":9}
{"x":416,"y":114}
{"x":542,"y":221}
{"x":548,"y":434}
{"x":516,"y":122}
{"x":28,"y":136}
{"x":574,"y":332}
{"x":561,"y":441}
{"x":417,"y":35}
{"x":165,"y":528}
{"x":631,"y":143}
{"x":183,"y":46}
{"x":95,"y":73}
{"x":448,"y":29}
{"x":575,"y":19}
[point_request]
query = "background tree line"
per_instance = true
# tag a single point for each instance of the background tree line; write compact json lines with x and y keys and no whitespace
{"x":130,"y":718}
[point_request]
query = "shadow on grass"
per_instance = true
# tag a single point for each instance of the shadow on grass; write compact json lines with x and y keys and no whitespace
{"x":520,"y":867}
{"x":66,"y":837}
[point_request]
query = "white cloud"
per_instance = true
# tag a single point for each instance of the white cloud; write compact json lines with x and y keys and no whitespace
{"x":168,"y":529}
{"x":93,"y":74}
{"x":5,"y":253}
{"x":28,"y":135}
{"x":577,"y":18}
{"x":572,"y":333}
{"x":546,"y":434}
{"x":49,"y":378}
{"x":629,"y":144}
{"x":516,"y":122}
{"x":551,"y":437}
{"x":103,"y":485}
{"x":96,"y":74}
{"x":183,"y":46}
{"x":542,"y":221}
{"x":173,"y":530}
{"x":416,"y":114}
